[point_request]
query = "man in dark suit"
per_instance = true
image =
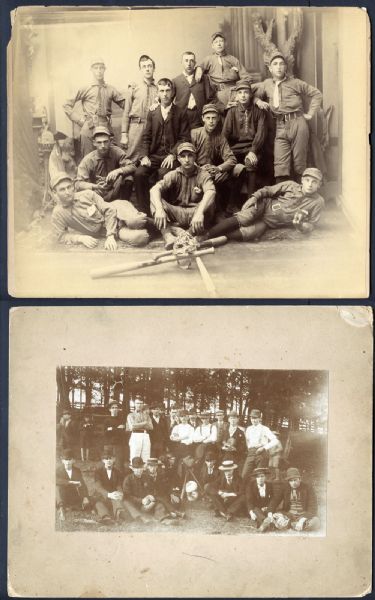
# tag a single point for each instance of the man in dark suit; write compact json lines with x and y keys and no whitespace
{"x":166,"y":127}
{"x":260,"y":499}
{"x":209,"y":473}
{"x":299,"y":504}
{"x":233,"y":445}
{"x":114,"y":433}
{"x":71,"y":489}
{"x":159,"y":434}
{"x":107,"y":494}
{"x":192,"y":95}
{"x":227,"y":495}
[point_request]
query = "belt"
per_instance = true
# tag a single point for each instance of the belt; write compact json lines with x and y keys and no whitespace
{"x":137,"y":120}
{"x":289,"y":116}
{"x":140,"y":431}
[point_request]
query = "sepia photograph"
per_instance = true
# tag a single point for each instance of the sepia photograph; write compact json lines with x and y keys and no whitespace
{"x":177,"y":451}
{"x":219,"y":451}
{"x":190,"y":152}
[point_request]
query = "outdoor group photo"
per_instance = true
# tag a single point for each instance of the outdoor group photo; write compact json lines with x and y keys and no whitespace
{"x":207,"y":450}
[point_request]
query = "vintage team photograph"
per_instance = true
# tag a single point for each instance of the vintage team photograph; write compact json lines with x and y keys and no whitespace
{"x":188,"y":152}
{"x":214,"y":451}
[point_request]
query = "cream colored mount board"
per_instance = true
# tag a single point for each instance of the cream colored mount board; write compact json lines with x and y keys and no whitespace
{"x":49,"y":60}
{"x":44,"y":562}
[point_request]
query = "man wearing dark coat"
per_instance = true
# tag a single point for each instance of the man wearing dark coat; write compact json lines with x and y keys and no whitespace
{"x":261,"y":499}
{"x":191,"y":95}
{"x":71,"y":489}
{"x":159,"y":434}
{"x":227,"y":495}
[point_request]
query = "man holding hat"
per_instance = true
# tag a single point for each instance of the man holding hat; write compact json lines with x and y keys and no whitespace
{"x":107,"y":493}
{"x":233,"y":446}
{"x":285,"y":95}
{"x":245,"y":128}
{"x":184,"y":198}
{"x":299,"y":504}
{"x":166,"y":127}
{"x":261,"y":499}
{"x":224,"y":70}
{"x":227,"y":495}
{"x":106,"y":170}
{"x":285,"y":204}
{"x":84,"y":217}
{"x":259,"y":439}
{"x":96,"y":105}
{"x":213,"y":151}
{"x":71,"y":489}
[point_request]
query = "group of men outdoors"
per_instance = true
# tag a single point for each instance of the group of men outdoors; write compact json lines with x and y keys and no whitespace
{"x":176,"y":459}
{"x":192,"y":148}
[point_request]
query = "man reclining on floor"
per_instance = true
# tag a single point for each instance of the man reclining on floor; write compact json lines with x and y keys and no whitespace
{"x":90,"y":217}
{"x":286,"y":204}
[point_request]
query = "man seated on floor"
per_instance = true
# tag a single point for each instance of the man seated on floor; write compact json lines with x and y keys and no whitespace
{"x":84,"y":217}
{"x":214,"y":153}
{"x":138,"y":492}
{"x":286,"y":204}
{"x":299,"y":508}
{"x":209,"y":473}
{"x":166,"y":127}
{"x":106,"y":170}
{"x":245,"y":129}
{"x":227,"y":495}
{"x":184,"y":198}
{"x":71,"y":489}
{"x":107,"y":494}
{"x":159,"y":488}
{"x":261,"y":499}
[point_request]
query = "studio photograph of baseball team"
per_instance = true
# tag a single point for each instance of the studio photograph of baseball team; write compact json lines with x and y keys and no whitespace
{"x":212,"y":451}
{"x":186,"y":152}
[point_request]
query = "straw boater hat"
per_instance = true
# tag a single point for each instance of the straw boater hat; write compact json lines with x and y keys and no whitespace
{"x":228,"y":465}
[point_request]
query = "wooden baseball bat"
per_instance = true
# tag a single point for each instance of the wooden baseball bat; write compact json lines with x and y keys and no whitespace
{"x":125,"y":267}
{"x":209,"y":284}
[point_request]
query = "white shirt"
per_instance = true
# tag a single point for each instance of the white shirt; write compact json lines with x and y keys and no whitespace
{"x":70,"y":473}
{"x":262,"y":491}
{"x":183,"y":433}
{"x":109,"y":473}
{"x":260,"y":435}
{"x":191,"y":103}
{"x":165,"y":111}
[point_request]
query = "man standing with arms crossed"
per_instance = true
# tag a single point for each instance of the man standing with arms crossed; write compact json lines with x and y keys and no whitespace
{"x":139,"y":423}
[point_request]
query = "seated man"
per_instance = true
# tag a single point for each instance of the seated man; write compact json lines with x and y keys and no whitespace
{"x":83,"y":217}
{"x":184,"y":198}
{"x":166,"y":127}
{"x":159,"y":488}
{"x":261,"y":499}
{"x":245,"y":129}
{"x":209,"y":473}
{"x":227,"y":494}
{"x":107,"y":494}
{"x":214,"y":153}
{"x":106,"y":170}
{"x":182,"y":434}
{"x":138,"y":492}
{"x":205,"y":436}
{"x":299,"y":508}
{"x":285,"y":96}
{"x":71,"y":489}
{"x":286,"y":204}
{"x":259,"y":439}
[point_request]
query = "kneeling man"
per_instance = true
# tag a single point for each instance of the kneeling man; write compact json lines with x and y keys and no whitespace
{"x":83,"y":217}
{"x":184,"y":198}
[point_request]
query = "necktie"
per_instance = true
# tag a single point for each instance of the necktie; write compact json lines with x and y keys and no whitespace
{"x":276,"y":95}
{"x":101,"y":110}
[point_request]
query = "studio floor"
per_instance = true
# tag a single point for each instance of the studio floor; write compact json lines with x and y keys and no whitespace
{"x":331,"y":262}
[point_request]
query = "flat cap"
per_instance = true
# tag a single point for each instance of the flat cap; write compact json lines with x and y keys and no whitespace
{"x":186,"y":147}
{"x":313,"y":172}
{"x":56,"y":179}
{"x":210,"y":108}
{"x":101,"y":129}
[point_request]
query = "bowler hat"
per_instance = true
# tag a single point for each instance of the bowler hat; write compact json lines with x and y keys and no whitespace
{"x":59,"y":135}
{"x":108,"y":452}
{"x":67,"y":454}
{"x":293,"y":473}
{"x":228,"y":465}
{"x":313,"y":172}
{"x":210,"y":456}
{"x":61,"y":176}
{"x":152,"y":462}
{"x":137,"y":463}
{"x":210,"y":108}
{"x":186,"y":147}
{"x":101,"y":130}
